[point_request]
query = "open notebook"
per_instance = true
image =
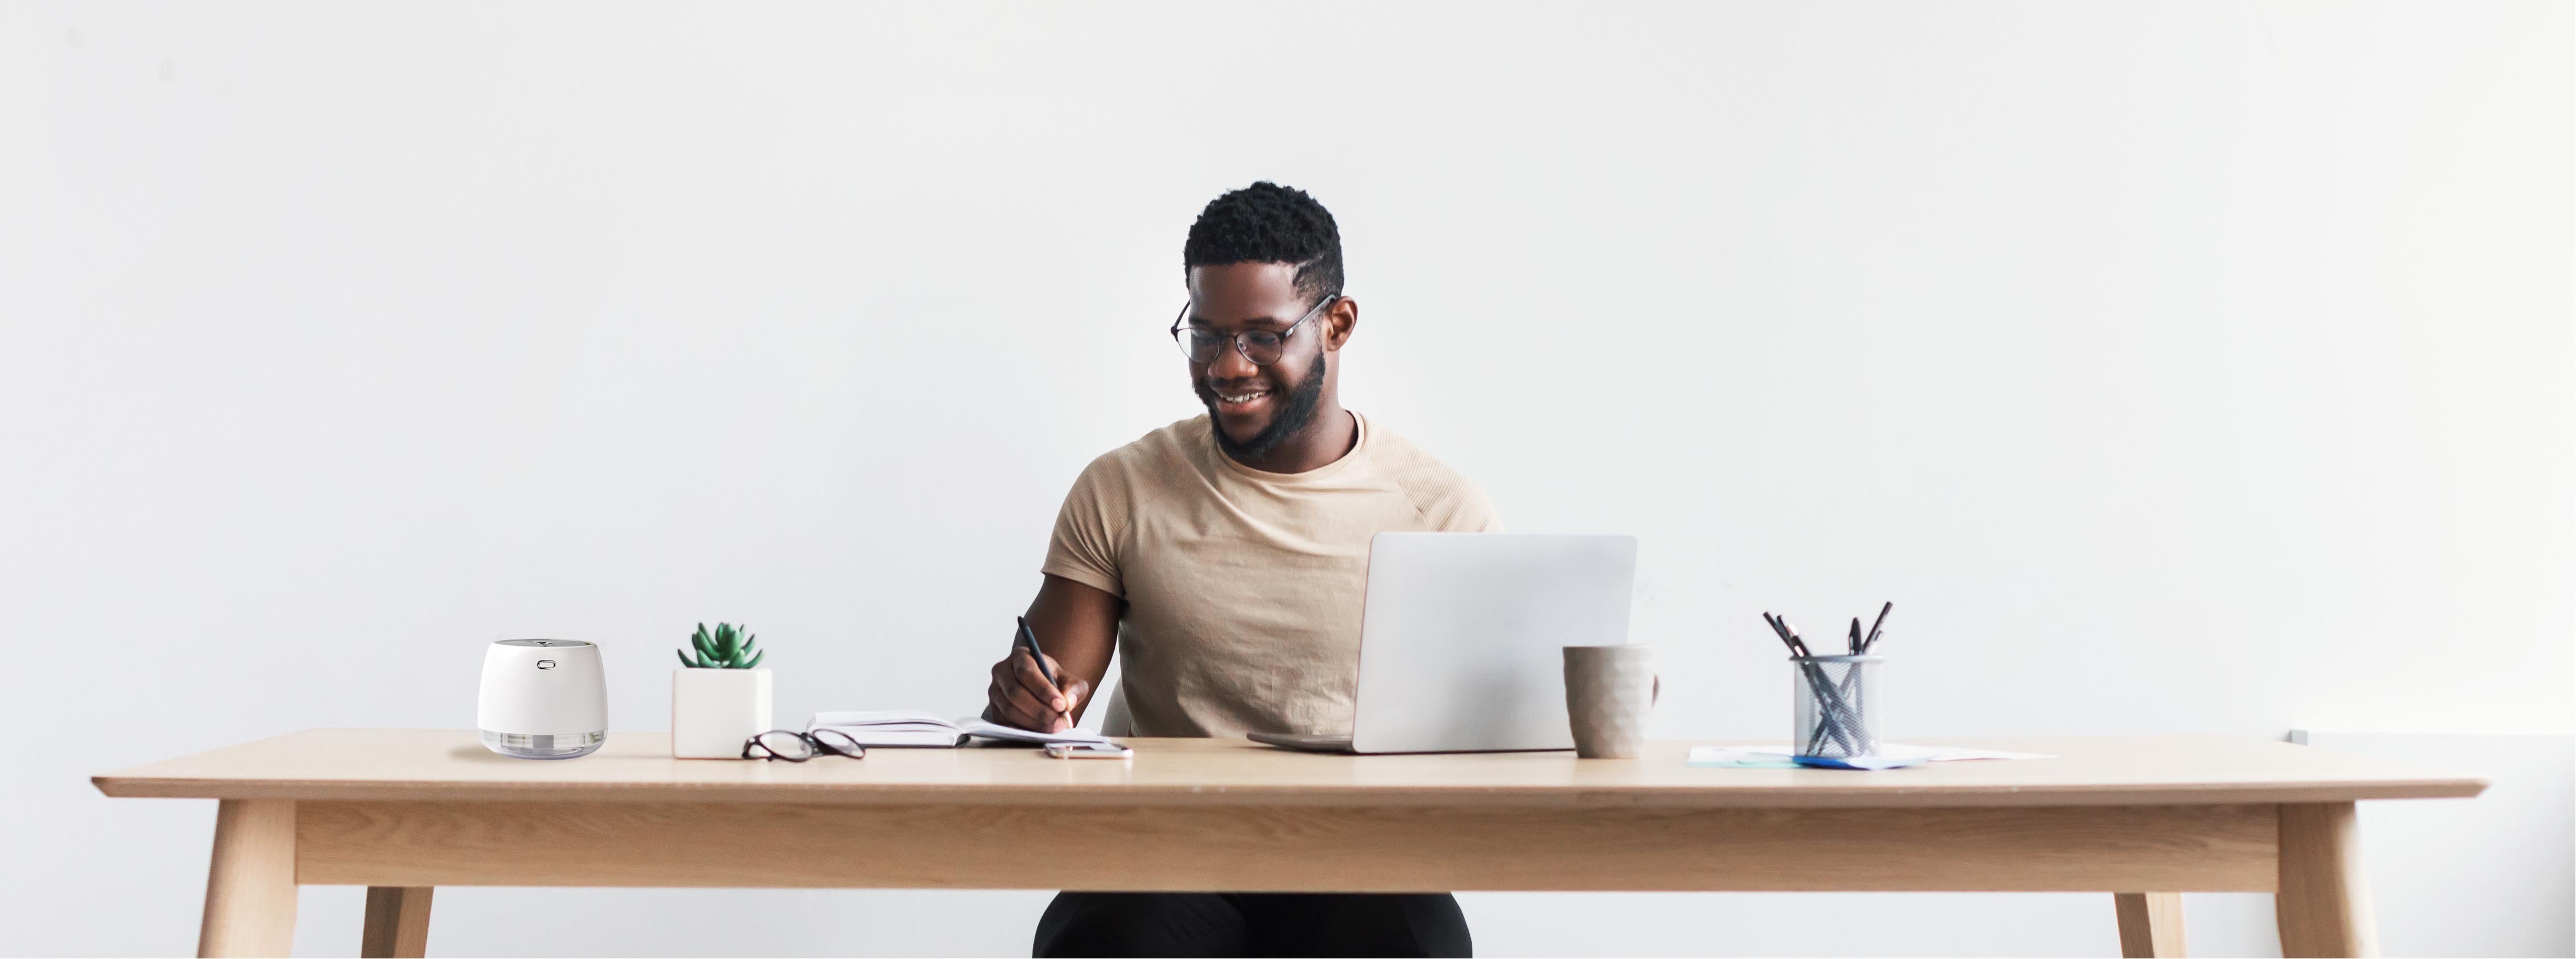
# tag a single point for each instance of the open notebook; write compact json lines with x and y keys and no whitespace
{"x":905,"y":727}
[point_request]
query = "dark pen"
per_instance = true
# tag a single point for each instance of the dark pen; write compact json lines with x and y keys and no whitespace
{"x":1030,"y":640}
{"x":1795,"y":640}
{"x":1781,"y":626}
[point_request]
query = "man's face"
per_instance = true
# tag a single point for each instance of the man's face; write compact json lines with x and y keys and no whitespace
{"x":1258,"y":407}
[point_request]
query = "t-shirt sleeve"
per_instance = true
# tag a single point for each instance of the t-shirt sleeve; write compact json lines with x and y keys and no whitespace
{"x":1084,"y":546}
{"x":1466,"y":510}
{"x":1450,"y":503}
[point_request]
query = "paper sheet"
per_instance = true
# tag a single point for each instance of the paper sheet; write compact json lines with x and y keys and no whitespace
{"x":978,"y":727}
{"x":902,"y":727}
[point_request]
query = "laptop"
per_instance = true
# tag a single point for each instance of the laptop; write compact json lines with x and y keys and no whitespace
{"x":1462,"y":638}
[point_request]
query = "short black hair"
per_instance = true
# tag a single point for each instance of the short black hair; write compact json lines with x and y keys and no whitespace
{"x":1269,"y":223}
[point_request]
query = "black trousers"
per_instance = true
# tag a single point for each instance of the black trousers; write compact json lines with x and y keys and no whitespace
{"x":1251,"y":924}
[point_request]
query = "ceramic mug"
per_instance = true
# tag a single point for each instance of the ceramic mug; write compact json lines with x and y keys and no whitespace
{"x":1608,"y":692}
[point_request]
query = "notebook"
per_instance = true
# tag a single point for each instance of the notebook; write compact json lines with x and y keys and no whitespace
{"x":905,"y":727}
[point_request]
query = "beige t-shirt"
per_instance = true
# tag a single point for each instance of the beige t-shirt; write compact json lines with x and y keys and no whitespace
{"x":1243,"y":587}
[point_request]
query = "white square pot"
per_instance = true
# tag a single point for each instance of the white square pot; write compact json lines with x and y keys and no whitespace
{"x":714,"y":710}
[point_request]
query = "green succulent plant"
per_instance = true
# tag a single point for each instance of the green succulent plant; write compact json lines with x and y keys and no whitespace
{"x":726,"y":648}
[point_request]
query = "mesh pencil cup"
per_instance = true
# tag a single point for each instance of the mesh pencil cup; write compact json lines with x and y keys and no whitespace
{"x":1836,"y":709}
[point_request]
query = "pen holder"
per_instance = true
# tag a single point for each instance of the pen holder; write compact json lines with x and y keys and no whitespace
{"x":1836,"y":705}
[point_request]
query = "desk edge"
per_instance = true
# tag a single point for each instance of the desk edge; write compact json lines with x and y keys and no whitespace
{"x":1548,"y":797}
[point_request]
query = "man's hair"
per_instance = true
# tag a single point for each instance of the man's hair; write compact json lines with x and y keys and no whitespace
{"x":1269,"y":223}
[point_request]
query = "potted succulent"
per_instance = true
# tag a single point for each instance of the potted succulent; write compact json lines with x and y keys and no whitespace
{"x":719,"y":697}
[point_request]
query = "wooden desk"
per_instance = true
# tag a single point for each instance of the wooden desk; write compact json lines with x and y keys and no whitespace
{"x":2147,"y":818}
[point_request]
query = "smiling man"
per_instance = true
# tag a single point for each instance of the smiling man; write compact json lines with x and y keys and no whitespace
{"x":1222,"y":559}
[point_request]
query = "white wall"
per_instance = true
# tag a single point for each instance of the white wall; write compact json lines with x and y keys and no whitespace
{"x":2174,"y":367}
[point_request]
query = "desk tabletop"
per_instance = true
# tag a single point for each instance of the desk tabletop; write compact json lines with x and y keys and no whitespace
{"x":428,"y":764}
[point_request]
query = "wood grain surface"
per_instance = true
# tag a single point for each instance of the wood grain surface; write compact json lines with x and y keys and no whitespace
{"x":1336,"y":848}
{"x":2150,"y":925}
{"x":397,"y":925}
{"x":2323,"y":904}
{"x":250,"y":884}
{"x":363,"y":764}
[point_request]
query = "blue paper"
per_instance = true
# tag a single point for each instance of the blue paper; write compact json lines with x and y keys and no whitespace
{"x":1859,"y":762}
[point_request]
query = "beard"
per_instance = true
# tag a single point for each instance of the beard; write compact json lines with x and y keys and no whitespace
{"x":1296,"y":412}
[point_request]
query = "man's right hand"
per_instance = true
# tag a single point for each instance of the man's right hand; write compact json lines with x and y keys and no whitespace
{"x":1021,"y":696}
{"x":1078,"y":625}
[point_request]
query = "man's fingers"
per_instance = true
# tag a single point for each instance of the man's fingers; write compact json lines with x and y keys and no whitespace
{"x":1064,"y":684}
{"x":1036,"y":683}
{"x":1023,"y":697}
{"x":1055,"y":713}
{"x":1016,"y":704}
{"x":1004,"y":710}
{"x":1028,"y":706}
{"x":1075,"y":691}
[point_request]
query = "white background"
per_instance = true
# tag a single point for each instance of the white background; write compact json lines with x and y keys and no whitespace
{"x":2174,"y":367}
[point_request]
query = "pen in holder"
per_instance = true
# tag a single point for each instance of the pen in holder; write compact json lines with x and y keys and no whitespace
{"x":1836,"y":705}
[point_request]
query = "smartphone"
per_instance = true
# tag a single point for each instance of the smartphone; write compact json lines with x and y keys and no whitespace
{"x":1088,"y":751}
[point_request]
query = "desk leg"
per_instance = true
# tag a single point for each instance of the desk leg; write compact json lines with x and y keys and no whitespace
{"x":397,"y":923}
{"x":2324,"y":901}
{"x":250,"y":888}
{"x":2150,"y":924}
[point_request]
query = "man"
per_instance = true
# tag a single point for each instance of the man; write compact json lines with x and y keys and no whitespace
{"x":1223,"y":557}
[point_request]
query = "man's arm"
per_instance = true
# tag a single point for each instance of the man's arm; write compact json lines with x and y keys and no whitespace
{"x":1077,"y":627}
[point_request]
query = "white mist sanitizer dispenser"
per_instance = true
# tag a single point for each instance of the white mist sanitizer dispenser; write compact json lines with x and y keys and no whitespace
{"x":543,"y":699}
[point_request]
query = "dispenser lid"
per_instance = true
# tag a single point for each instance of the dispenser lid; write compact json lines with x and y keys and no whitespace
{"x":547,"y":643}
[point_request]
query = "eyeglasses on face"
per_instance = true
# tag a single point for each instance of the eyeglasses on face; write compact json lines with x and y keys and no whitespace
{"x":1262,"y":347}
{"x":796,"y":747}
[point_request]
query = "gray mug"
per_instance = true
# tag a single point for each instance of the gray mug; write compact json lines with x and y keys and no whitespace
{"x":1608,"y":692}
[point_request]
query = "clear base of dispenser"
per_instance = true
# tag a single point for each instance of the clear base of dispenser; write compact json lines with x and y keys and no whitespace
{"x":544,"y":745}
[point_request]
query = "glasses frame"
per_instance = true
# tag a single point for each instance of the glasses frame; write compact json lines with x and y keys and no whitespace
{"x":821,"y":746}
{"x":1241,"y":347}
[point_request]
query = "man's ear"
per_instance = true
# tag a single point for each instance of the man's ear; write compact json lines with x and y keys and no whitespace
{"x":1340,"y":321}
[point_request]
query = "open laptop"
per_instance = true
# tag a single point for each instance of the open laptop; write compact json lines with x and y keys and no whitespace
{"x":1461,"y":639}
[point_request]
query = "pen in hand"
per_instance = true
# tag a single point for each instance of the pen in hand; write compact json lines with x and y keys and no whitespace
{"x":1050,"y":708}
{"x":1030,"y":640}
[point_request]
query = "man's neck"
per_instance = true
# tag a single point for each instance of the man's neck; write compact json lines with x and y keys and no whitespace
{"x":1327,"y":438}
